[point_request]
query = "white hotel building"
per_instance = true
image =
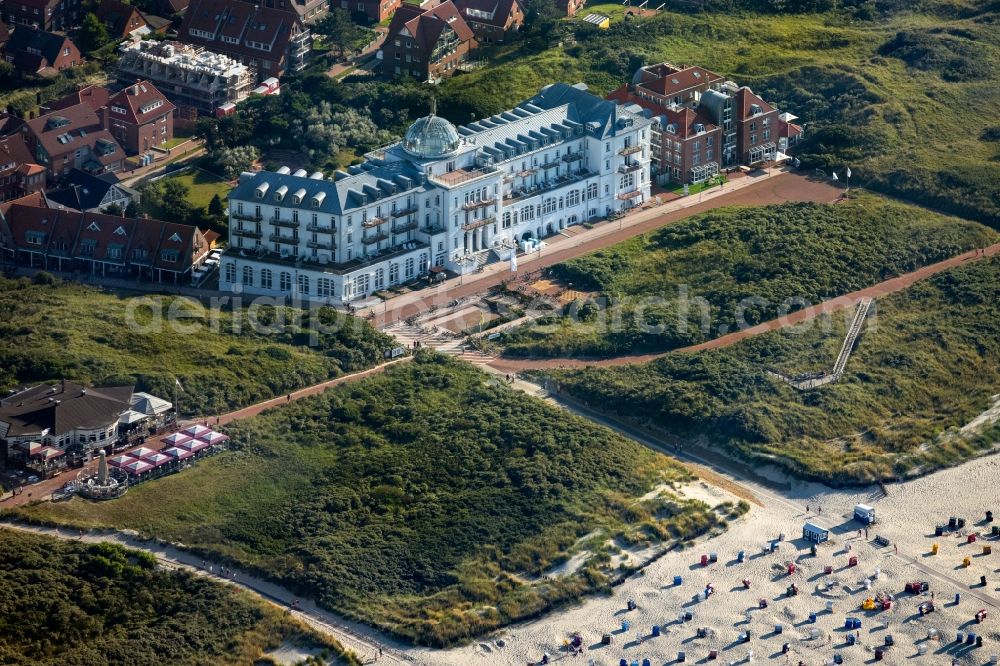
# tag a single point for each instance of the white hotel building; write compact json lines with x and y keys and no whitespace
{"x":444,"y":196}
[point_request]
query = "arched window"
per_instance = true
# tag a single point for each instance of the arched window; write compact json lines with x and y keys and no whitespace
{"x":379,"y":278}
{"x":286,"y":281}
{"x":248,"y":276}
{"x":265,"y":278}
{"x":409,"y":268}
{"x":304,"y":285}
{"x":394,"y":273}
{"x":230,"y":272}
{"x":425,"y":263}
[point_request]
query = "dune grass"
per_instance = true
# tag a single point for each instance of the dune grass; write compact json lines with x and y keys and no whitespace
{"x":426,"y":500}
{"x":703,"y":277}
{"x":74,"y":603}
{"x":926,"y":364}
{"x":65,"y":330}
{"x":911,"y":115}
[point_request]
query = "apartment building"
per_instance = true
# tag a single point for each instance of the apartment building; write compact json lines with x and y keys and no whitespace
{"x":189,"y":76}
{"x":43,"y":14}
{"x":72,"y":138}
{"x":491,"y":21}
{"x":140,"y":117}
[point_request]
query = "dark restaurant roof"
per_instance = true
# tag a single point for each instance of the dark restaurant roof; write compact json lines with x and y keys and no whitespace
{"x":60,"y":407}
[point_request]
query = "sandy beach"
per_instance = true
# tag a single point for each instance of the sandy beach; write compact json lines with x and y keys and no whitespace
{"x":907,"y":517}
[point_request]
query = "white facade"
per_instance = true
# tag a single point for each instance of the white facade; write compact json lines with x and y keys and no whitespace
{"x":444,"y":196}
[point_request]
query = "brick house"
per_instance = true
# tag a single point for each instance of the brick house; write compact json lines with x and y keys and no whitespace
{"x":19,"y":175}
{"x":491,"y":20}
{"x":307,"y":10}
{"x":33,"y":51}
{"x":42,"y":14}
{"x":120,"y":19}
{"x":756,"y":128}
{"x":72,"y":138}
{"x":269,"y":40}
{"x":96,"y":97}
{"x":139,"y":117}
{"x":102,"y":245}
{"x":370,"y":11}
{"x":426,"y":43}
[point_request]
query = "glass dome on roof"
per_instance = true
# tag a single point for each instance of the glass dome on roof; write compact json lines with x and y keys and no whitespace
{"x":431,"y":136}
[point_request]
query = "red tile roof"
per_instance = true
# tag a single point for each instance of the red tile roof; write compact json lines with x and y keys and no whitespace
{"x":744,"y":99}
{"x":425,"y":25}
{"x":241,"y":21}
{"x":684,"y":118}
{"x":93,"y":96}
{"x":666,"y":79}
{"x":142,"y":102}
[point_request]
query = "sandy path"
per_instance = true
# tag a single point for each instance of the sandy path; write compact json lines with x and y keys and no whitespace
{"x":779,"y":187}
{"x":885,"y":288}
{"x":362,"y":640}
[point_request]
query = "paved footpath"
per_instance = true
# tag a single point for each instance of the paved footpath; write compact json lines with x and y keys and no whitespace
{"x":834,"y":304}
{"x":776,"y":187}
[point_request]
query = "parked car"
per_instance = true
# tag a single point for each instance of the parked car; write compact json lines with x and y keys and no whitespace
{"x":33,"y":479}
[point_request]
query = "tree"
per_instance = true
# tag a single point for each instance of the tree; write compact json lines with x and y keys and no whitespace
{"x":175,"y":205}
{"x":215,"y":206}
{"x":132,"y":209}
{"x":232,"y":161}
{"x":92,"y":35}
{"x":345,"y":35}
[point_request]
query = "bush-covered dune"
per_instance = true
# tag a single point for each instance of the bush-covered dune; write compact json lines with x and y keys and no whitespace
{"x":735,"y":267}
{"x":74,"y":604}
{"x":926,"y":364}
{"x":59,"y":330}
{"x":426,"y":500}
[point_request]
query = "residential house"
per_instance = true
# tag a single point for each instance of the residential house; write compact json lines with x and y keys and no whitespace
{"x":427,"y":43}
{"x":369,"y":11}
{"x":121,"y":20}
{"x":491,"y":20}
{"x":91,"y":194}
{"x":61,"y":415}
{"x":72,"y":138}
{"x":42,"y":14}
{"x":33,"y":51}
{"x":756,"y":127}
{"x":19,"y":175}
{"x":105,"y":246}
{"x":307,"y":10}
{"x":269,"y":40}
{"x":140,"y":117}
{"x":96,"y":97}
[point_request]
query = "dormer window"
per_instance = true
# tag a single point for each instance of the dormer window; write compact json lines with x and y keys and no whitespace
{"x":93,"y":227}
{"x":279,"y":194}
{"x":261,"y":190}
{"x":120,"y":231}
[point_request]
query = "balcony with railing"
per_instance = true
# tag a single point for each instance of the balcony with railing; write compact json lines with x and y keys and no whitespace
{"x":403,"y":228}
{"x":321,"y":245}
{"x":247,"y":233}
{"x":549,"y":165}
{"x":547,"y":186}
{"x":278,"y":238}
{"x":631,"y":150}
{"x":377,"y":238}
{"x":573,"y":157}
{"x":482,"y":203}
{"x":373,"y":222}
{"x":630,"y":195}
{"x":247,"y":218}
{"x":482,"y":222}
{"x":288,"y":224}
{"x":321,"y":229}
{"x":405,"y":211}
{"x":461,"y":176}
{"x":629,"y":166}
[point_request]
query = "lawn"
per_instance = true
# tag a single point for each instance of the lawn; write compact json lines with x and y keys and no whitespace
{"x":80,"y":333}
{"x":73,"y":603}
{"x":736,"y":267}
{"x":202,"y":186}
{"x":426,"y":500}
{"x":927,"y":364}
{"x":906,"y":99}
